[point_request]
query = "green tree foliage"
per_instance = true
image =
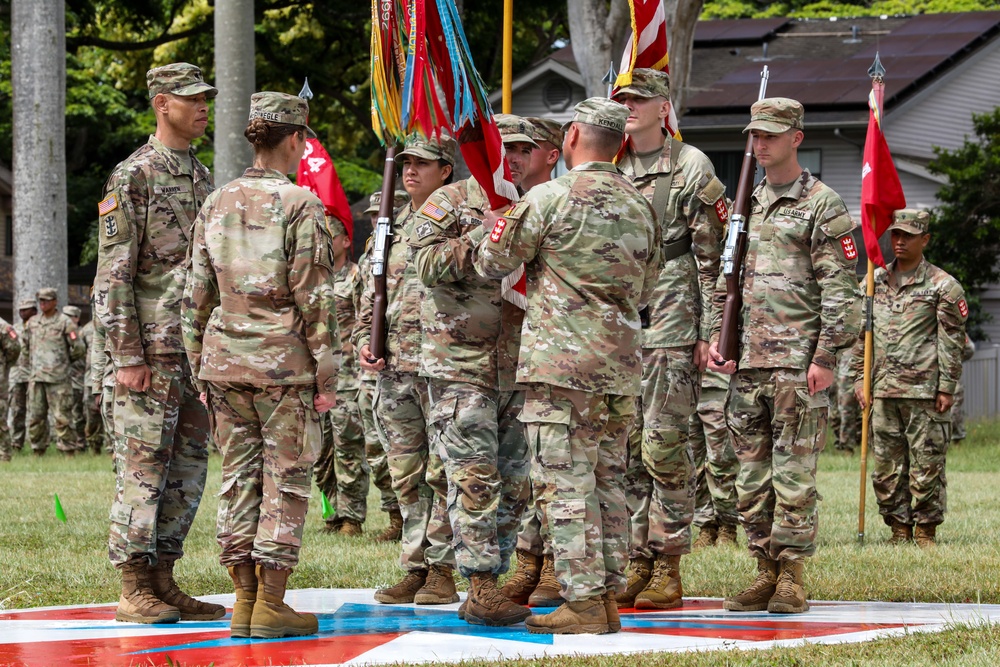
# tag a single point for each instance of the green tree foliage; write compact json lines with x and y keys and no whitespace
{"x":965,"y":230}
{"x":735,"y":9}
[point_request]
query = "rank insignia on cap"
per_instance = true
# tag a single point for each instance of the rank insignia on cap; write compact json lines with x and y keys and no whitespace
{"x":850,"y":250}
{"x":963,"y":307}
{"x":721,"y":211}
{"x":433,"y":212}
{"x":498,"y":230}
{"x":108,"y":205}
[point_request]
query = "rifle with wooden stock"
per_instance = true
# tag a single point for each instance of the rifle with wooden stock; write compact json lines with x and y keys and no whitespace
{"x":735,"y":252}
{"x":380,"y":254}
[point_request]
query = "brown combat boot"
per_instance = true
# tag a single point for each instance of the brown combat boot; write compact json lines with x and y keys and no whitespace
{"x":245,"y":581}
{"x":611,"y":611}
{"x":707,"y":536}
{"x":161,"y":579}
{"x":272,"y":618}
{"x":405,"y":590}
{"x":439,"y":588}
{"x":548,"y":592}
{"x":138,"y":603}
{"x":350,"y":528}
{"x":394,"y":531}
{"x":640,"y":571}
{"x":760,"y":592}
{"x":901,"y":533}
{"x":519,"y":587}
{"x":925,"y":535}
{"x":486,"y":605}
{"x":727,"y":535}
{"x":664,"y":590}
{"x":572,"y":618}
{"x":789,"y":594}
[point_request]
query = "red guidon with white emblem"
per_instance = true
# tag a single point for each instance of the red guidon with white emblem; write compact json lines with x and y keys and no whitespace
{"x":850,"y":250}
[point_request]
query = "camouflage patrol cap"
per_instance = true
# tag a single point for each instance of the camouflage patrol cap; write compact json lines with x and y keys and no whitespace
{"x":399,"y":198}
{"x":281,"y":108}
{"x":441,"y":147}
{"x":546,"y":129}
{"x":911,"y":220}
{"x":48,"y":293}
{"x":602,"y":112}
{"x":514,"y":129}
{"x":71,"y":311}
{"x":776,"y":115}
{"x":178,"y":79}
{"x":647,"y":83}
{"x":25,"y":304}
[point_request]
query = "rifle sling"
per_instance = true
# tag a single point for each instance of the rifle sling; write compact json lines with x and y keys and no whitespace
{"x":661,"y":193}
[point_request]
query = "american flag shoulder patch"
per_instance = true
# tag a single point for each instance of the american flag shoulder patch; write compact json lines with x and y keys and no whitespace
{"x":107,"y":205}
{"x":433,"y":211}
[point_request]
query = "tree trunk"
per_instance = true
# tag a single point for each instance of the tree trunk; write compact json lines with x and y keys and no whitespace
{"x":682,"y":19}
{"x":235,"y":77}
{"x":38,"y":54}
{"x":596,"y":31}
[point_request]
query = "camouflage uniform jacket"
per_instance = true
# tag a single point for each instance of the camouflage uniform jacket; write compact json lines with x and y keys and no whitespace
{"x":52,"y":344}
{"x":404,"y":295}
{"x":101,"y":373}
{"x":10,"y":347}
{"x":146,"y":219}
{"x":591,"y":250}
{"x":259,"y":305}
{"x":20,"y":372}
{"x":78,"y":370}
{"x":364,"y":275}
{"x":799,"y":284}
{"x":919,"y":335}
{"x":465,"y":337}
{"x":346,"y":289}
{"x":695,"y":207}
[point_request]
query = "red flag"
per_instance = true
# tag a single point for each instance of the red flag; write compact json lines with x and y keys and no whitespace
{"x":317,"y":173}
{"x":881,"y":191}
{"x":647,"y":48}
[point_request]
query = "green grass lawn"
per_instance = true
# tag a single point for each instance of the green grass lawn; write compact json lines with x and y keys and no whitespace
{"x":44,"y":562}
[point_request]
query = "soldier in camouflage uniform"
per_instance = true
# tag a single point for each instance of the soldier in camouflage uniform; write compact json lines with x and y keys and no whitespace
{"x":468,"y":334}
{"x":342,"y":469}
{"x":799,"y":308}
{"x":161,"y":428}
{"x":958,"y":409}
{"x":260,"y":328}
{"x":401,"y":404}
{"x":10,"y":350}
{"x":52,"y":343}
{"x":77,"y":374}
{"x":845,"y":420}
{"x":919,"y":315}
{"x":19,"y":377}
{"x":689,"y":202}
{"x":590,"y":246}
{"x":715,"y":464}
{"x":101,"y":381}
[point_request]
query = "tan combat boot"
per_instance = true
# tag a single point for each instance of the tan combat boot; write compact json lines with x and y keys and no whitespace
{"x":901,"y":533}
{"x":161,"y":579}
{"x":639,"y":572}
{"x":394,"y":531}
{"x":405,"y":590}
{"x":789,"y":595}
{"x":486,"y":605}
{"x":727,"y":535}
{"x":439,"y":588}
{"x":519,"y":587}
{"x":138,"y":603}
{"x":760,"y":592}
{"x":350,"y":528}
{"x":925,"y":535}
{"x":611,"y":611}
{"x":707,"y":536}
{"x":572,"y":618}
{"x":272,"y":618}
{"x":245,"y":581}
{"x":664,"y":590}
{"x":548,"y":592}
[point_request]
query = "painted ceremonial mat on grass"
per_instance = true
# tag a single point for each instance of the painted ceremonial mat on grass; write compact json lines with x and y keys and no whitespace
{"x":356,"y":630}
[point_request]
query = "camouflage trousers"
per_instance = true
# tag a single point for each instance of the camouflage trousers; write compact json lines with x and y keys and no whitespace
{"x":342,"y":469}
{"x":401,"y":406}
{"x":54,"y":397}
{"x":269,"y":438}
{"x":778,"y":432}
{"x":378,"y":464}
{"x":18,"y":398}
{"x":77,"y":416}
{"x":95,"y":435}
{"x":577,"y":442}
{"x":660,"y":482}
{"x":108,"y":423}
{"x":714,"y":459}
{"x":529,"y":534}
{"x":958,"y":413}
{"x":909,"y":443}
{"x":5,"y":448}
{"x":846,"y":418}
{"x":161,"y":456}
{"x":477,"y":435}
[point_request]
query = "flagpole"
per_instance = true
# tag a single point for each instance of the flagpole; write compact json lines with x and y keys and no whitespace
{"x":508,"y":55}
